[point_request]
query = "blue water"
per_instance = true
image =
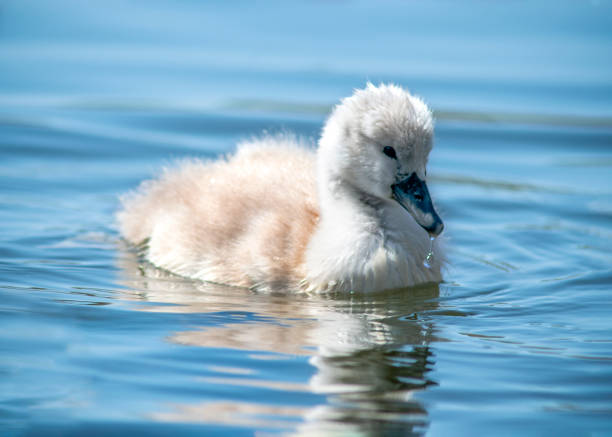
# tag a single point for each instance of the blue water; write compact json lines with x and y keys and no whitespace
{"x":97,"y":96}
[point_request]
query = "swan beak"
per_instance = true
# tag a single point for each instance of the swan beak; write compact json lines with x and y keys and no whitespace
{"x":413,"y":195}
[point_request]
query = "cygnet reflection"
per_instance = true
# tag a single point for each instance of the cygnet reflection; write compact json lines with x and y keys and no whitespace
{"x":371,"y":353}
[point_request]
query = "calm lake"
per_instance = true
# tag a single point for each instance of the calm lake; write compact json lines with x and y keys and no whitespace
{"x":517,"y":340}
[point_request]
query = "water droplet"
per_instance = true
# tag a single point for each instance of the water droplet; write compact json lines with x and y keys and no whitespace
{"x":427,"y":261}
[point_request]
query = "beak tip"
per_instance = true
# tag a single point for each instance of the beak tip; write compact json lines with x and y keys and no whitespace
{"x":436,"y":229}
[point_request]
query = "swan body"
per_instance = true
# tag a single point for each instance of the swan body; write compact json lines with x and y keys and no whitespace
{"x":353,"y":216}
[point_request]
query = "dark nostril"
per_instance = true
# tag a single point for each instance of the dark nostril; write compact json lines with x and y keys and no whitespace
{"x":418,"y":197}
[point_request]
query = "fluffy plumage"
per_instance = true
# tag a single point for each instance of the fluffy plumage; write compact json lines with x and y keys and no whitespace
{"x":278,"y":215}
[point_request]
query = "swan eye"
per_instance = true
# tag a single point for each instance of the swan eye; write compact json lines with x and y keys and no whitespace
{"x":390,"y":152}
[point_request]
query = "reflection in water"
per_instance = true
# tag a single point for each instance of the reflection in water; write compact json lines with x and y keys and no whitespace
{"x":371,"y":353}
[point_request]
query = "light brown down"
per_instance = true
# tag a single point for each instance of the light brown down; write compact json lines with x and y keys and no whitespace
{"x":194,"y":222}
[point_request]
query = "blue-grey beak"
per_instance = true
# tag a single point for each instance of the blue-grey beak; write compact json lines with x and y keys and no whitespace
{"x":413,"y":195}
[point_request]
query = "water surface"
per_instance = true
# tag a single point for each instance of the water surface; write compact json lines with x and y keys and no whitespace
{"x":516,"y":341}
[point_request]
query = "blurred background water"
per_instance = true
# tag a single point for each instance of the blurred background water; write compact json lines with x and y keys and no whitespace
{"x":97,"y":96}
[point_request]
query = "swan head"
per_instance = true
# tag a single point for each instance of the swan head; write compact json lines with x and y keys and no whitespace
{"x":377,"y":143}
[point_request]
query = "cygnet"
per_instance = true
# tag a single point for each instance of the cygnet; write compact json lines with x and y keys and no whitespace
{"x":354,"y":215}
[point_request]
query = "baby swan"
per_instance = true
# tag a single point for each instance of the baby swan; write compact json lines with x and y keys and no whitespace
{"x":354,"y":216}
